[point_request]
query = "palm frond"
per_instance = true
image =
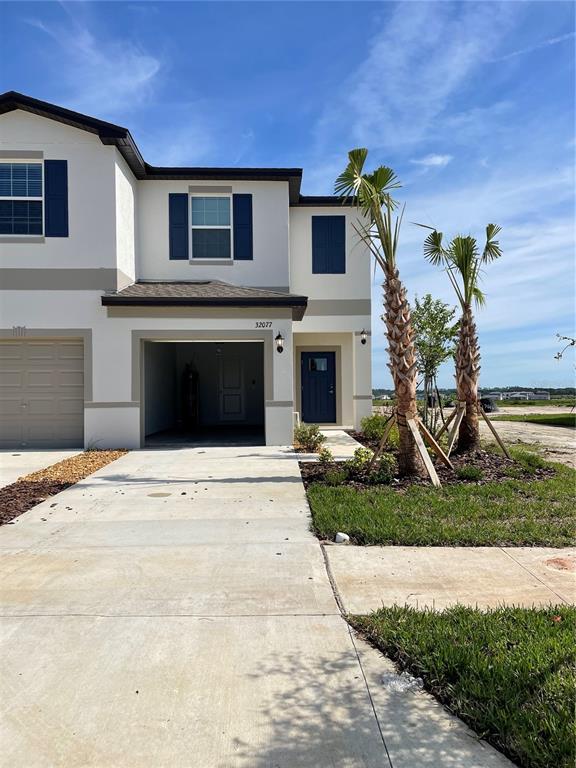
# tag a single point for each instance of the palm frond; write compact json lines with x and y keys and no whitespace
{"x":478,"y":296}
{"x":433,"y":250}
{"x":492,"y":248}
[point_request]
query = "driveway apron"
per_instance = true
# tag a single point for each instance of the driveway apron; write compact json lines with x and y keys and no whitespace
{"x":173,"y":609}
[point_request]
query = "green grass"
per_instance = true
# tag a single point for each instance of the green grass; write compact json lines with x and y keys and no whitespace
{"x":551,"y":419}
{"x":508,"y":673}
{"x":516,"y":512}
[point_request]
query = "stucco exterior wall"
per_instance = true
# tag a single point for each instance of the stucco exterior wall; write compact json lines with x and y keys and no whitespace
{"x":354,"y":284}
{"x":113,"y":415}
{"x":270,"y":266}
{"x":91,"y":195}
{"x":126,"y":199}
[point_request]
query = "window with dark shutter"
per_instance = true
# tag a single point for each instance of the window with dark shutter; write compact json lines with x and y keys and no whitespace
{"x":328,"y":245}
{"x":178,"y":226}
{"x":243,"y":235}
{"x":56,"y":198}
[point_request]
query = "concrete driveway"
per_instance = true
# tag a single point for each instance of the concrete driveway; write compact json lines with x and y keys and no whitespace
{"x":173,"y":609}
{"x":15,"y":464}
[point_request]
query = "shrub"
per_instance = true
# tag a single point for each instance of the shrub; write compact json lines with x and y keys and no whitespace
{"x":309,"y":437}
{"x":373,"y":426}
{"x":382,"y":472}
{"x":468,"y":472}
{"x":336,"y":476}
{"x":325,"y":456}
{"x":362,"y":457}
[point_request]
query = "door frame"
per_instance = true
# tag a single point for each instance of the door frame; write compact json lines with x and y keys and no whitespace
{"x":338,"y":377}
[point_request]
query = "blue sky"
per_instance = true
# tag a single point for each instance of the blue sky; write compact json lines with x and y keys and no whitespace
{"x":471,"y":103}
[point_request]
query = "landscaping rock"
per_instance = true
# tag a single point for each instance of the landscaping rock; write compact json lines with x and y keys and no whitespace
{"x":341,"y":538}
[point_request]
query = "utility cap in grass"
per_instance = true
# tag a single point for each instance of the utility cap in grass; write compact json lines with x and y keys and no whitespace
{"x":341,"y":538}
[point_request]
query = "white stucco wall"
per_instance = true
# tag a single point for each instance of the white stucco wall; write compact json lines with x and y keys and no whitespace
{"x":112,"y":356}
{"x":91,"y":195}
{"x":126,"y":199}
{"x":270,"y":235}
{"x":354,"y":284}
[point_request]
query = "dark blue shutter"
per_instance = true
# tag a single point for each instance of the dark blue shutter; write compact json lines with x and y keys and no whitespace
{"x":56,"y":198}
{"x":328,"y":245}
{"x":242,"y":209}
{"x":178,"y":225}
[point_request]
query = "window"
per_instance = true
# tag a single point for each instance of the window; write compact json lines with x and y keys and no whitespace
{"x":317,"y":364}
{"x":21,"y":193}
{"x":211,"y":228}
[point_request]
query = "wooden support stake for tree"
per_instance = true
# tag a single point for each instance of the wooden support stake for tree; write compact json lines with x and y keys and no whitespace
{"x":447,"y":423}
{"x":434,"y":445}
{"x":452,"y":438}
{"x":496,"y":435}
{"x":384,"y":439}
{"x":424,"y":453}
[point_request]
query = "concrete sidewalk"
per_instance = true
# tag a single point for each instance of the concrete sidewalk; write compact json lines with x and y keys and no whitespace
{"x":368,"y":578}
{"x":15,"y":464}
{"x":173,"y":609}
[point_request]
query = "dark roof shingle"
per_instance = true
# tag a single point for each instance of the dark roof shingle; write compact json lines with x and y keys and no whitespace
{"x":204,"y":293}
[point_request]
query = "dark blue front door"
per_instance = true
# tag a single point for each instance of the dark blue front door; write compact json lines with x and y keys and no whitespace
{"x":318,"y":387}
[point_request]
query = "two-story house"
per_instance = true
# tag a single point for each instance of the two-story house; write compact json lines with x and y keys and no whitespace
{"x":142,"y":305}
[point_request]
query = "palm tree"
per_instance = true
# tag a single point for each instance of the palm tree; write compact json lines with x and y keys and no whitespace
{"x":463,"y":263}
{"x":379,"y":228}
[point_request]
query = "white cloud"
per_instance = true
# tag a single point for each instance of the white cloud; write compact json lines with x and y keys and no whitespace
{"x":417,"y":61}
{"x":433,"y":161}
{"x":101,"y":76}
{"x":536,"y":47}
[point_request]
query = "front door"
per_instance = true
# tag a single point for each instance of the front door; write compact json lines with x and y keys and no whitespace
{"x":231,"y":388}
{"x":318,"y":380}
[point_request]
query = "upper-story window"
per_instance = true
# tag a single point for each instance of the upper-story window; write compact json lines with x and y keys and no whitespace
{"x":21,"y":198}
{"x":211,"y":227}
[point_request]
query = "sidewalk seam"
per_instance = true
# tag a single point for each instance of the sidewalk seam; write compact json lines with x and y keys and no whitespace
{"x":340,"y":603}
{"x":535,"y":576}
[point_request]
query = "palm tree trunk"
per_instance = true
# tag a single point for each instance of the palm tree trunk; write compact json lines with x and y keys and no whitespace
{"x":467,"y":374}
{"x":403,"y":368}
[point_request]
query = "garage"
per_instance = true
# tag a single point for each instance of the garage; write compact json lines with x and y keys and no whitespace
{"x":209,"y":393}
{"x":42,"y":393}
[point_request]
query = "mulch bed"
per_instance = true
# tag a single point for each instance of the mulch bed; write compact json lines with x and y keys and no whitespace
{"x":494,"y":468}
{"x":30,"y":490}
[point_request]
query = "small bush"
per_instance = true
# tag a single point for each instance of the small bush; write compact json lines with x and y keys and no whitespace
{"x":359,"y":467}
{"x":309,"y":437}
{"x":325,"y":456}
{"x":468,"y":472}
{"x":336,"y":476}
{"x":384,"y":470}
{"x":373,"y":426}
{"x":362,"y":457}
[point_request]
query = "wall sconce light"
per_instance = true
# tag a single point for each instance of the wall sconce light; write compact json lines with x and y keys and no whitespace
{"x":363,"y":336}
{"x":279,"y":342}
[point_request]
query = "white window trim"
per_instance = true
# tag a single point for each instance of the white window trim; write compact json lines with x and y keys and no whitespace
{"x":199,"y":260}
{"x":20,"y":198}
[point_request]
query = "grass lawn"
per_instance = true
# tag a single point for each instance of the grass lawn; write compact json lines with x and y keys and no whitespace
{"x":550,"y":419}
{"x":537,"y":512}
{"x":509,"y":673}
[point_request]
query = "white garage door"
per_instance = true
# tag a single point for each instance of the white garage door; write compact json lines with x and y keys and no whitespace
{"x":42,"y":393}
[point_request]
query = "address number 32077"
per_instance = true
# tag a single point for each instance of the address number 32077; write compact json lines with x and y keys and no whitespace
{"x":263,"y":324}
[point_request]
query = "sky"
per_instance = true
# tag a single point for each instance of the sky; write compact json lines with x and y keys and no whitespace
{"x":472,"y":104}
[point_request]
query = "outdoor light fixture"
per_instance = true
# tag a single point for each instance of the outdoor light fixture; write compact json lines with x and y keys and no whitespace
{"x":363,"y":336}
{"x":279,"y":342}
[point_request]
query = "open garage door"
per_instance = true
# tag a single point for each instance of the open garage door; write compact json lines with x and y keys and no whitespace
{"x":42,"y":393}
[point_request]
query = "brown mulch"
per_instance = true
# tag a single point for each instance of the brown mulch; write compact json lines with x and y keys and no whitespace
{"x":32,"y":489}
{"x":494,"y":467}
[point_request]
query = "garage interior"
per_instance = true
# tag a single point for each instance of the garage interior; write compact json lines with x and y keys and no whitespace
{"x":203,"y":393}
